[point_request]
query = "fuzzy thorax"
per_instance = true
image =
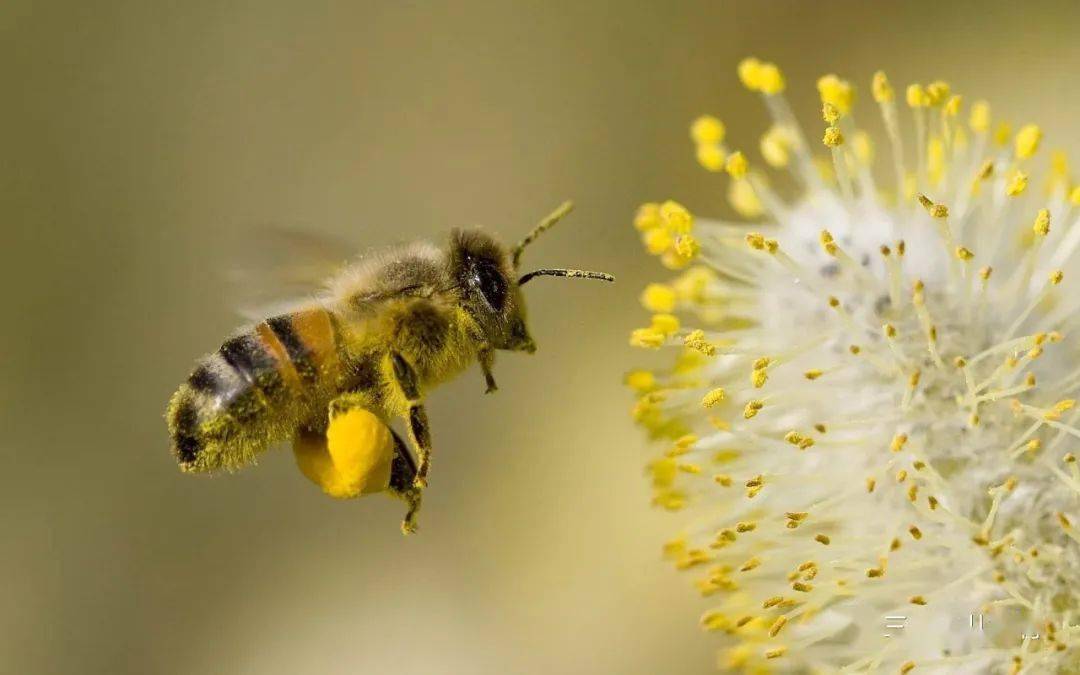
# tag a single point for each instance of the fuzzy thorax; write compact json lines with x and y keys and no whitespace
{"x":868,"y":405}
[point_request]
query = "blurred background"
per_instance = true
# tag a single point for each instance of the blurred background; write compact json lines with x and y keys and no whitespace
{"x":141,"y":138}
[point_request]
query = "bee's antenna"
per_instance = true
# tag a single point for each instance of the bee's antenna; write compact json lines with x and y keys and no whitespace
{"x":573,"y":274}
{"x":545,"y":224}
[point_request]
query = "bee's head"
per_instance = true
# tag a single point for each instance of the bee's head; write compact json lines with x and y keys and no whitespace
{"x":491,"y":289}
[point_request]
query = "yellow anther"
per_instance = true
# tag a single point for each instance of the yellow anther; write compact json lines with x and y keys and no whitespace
{"x":979,"y":119}
{"x":722,"y":479}
{"x":646,"y":338}
{"x":935,"y":210}
{"x":821,"y":428}
{"x":1056,"y":276}
{"x":875,"y":572}
{"x":889,"y":330}
{"x":736,"y":165}
{"x":1017,"y":184}
{"x":743,"y":198}
{"x":758,"y":377}
{"x":1027,"y":140}
{"x":863,"y":147}
{"x":707,"y":130}
{"x":901,"y":475}
{"x":907,"y":667}
{"x":822,"y":539}
{"x":916,"y":96}
{"x":687,"y":246}
{"x":937,"y":92}
{"x":657,"y":240}
{"x":772,"y":601}
{"x":830,"y":113}
{"x":833,"y":138}
{"x":802,"y":587}
{"x":752,"y":408}
{"x":1042,"y":223}
{"x":777,"y":625}
{"x":898,"y":442}
{"x":1034,"y":445}
{"x":830,"y":247}
{"x":713,"y":397}
{"x":696,"y":341}
{"x":953,"y":105}
{"x":750,"y":564}
{"x":913,"y":380}
{"x":761,"y":362}
{"x":659,"y":298}
{"x":748,"y":70}
{"x":986,"y":170}
{"x":756,"y":481}
{"x":882,"y":90}
{"x":675,"y":217}
{"x":836,"y":91}
{"x":813,"y":374}
{"x":1002,"y":134}
{"x":647,"y":216}
{"x":834,"y":301}
{"x":871,"y":483}
{"x":1058,"y":409}
{"x":932,"y":502}
{"x":665,"y":323}
{"x":964,"y":253}
{"x":641,"y":381}
{"x":710,"y":157}
{"x":769,"y":78}
{"x":775,"y":147}
{"x":960,"y":362}
{"x":913,"y":493}
{"x":775,"y":652}
{"x":985,"y":272}
{"x":749,"y":526}
{"x":915,"y":532}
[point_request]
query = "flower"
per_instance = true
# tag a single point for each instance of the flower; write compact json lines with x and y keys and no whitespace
{"x":869,"y":409}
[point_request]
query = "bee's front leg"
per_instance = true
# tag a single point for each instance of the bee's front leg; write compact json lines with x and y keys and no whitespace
{"x":486,"y":356}
{"x":417,"y":416}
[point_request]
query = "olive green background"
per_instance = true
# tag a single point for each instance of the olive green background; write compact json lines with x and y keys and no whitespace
{"x":142,"y":139}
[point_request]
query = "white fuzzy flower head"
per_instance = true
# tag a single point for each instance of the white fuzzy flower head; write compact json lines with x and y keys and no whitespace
{"x":869,"y":412}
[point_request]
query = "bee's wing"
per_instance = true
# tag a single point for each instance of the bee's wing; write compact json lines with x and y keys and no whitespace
{"x":279,"y":269}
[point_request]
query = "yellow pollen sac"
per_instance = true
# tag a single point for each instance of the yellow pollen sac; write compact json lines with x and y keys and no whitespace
{"x":898,"y":442}
{"x":823,"y":539}
{"x":772,"y":602}
{"x":833,"y":138}
{"x":882,"y":90}
{"x":707,"y":130}
{"x":675,"y":217}
{"x":750,"y":564}
{"x":837,"y":92}
{"x":665,"y":323}
{"x":743,"y":198}
{"x":748,"y":70}
{"x":829,"y":245}
{"x":986,"y":170}
{"x":736,"y":165}
{"x":696,"y":341}
{"x":964,"y":253}
{"x":647,"y":216}
{"x":752,"y":409}
{"x":722,"y":479}
{"x":769,"y":78}
{"x":813,"y":374}
{"x":1017,"y":184}
{"x":1002,"y":134}
{"x":1027,"y":140}
{"x":710,"y":157}
{"x":745,"y":527}
{"x":829,"y":113}
{"x":1074,"y":196}
{"x":802,"y":587}
{"x":875,"y":572}
{"x":641,"y":381}
{"x":659,"y":298}
{"x":937,"y":92}
{"x":870,"y":484}
{"x":985,"y":272}
{"x":979,"y":119}
{"x":646,"y":338}
{"x":953,"y":105}
{"x":775,"y":652}
{"x":777,"y":625}
{"x":1056,"y":276}
{"x":935,"y":210}
{"x":759,"y":243}
{"x":657,"y":240}
{"x":863,"y":147}
{"x":1042,"y":223}
{"x":907,"y":667}
{"x":713,"y":398}
{"x":686,"y":246}
{"x":916,"y":96}
{"x":775,"y":146}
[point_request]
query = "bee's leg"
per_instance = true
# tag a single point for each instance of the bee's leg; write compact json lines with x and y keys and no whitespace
{"x":402,"y":475}
{"x":487,"y":361}
{"x":418,"y":421}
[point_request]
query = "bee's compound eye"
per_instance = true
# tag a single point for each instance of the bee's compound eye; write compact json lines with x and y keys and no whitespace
{"x":492,"y":284}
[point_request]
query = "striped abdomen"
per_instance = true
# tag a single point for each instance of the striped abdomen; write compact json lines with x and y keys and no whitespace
{"x":253,"y":391}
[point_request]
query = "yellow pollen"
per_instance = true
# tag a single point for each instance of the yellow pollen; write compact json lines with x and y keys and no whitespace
{"x":713,"y":398}
{"x":1027,"y":140}
{"x":935,"y":210}
{"x":833,"y":138}
{"x":736,"y":165}
{"x":758,"y":377}
{"x":646,"y":338}
{"x":979,"y":119}
{"x":898,"y":442}
{"x":907,"y":667}
{"x":916,"y":533}
{"x":937,"y":92}
{"x":710,"y":156}
{"x":777,"y":625}
{"x":640,"y":381}
{"x":1042,"y":223}
{"x":882,"y":90}
{"x":916,"y":96}
{"x":985,"y":272}
{"x":875,"y":572}
{"x":986,"y":170}
{"x":752,"y":409}
{"x":917,"y":600}
{"x":837,"y":92}
{"x":756,"y":481}
{"x":772,"y":602}
{"x":823,"y":539}
{"x":964,"y":253}
{"x":802,"y":587}
{"x":665,"y":323}
{"x":708,"y":130}
{"x":829,"y":113}
{"x":745,"y":527}
{"x":812,"y":374}
{"x":658,"y":298}
{"x":696,"y":341}
{"x":1056,"y":276}
{"x":775,"y":653}
{"x":871,"y":483}
{"x":750,"y":564}
{"x":953,"y":105}
{"x":723,"y":479}
{"x":1017,"y":184}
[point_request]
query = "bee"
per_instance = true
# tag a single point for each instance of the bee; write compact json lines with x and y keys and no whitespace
{"x":332,"y":375}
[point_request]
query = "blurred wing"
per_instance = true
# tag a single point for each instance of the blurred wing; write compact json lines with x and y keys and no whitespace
{"x":280,"y":269}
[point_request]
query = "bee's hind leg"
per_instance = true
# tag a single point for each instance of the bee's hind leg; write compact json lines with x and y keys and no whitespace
{"x":419,"y":431}
{"x":402,"y":476}
{"x":487,"y":362}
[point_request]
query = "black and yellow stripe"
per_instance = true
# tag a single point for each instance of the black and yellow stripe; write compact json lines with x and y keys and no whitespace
{"x":253,"y":390}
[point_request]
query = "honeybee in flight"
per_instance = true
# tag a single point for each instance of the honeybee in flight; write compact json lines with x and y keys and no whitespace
{"x":332,"y":375}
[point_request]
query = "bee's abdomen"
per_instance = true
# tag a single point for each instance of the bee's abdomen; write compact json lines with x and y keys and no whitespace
{"x":253,"y":391}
